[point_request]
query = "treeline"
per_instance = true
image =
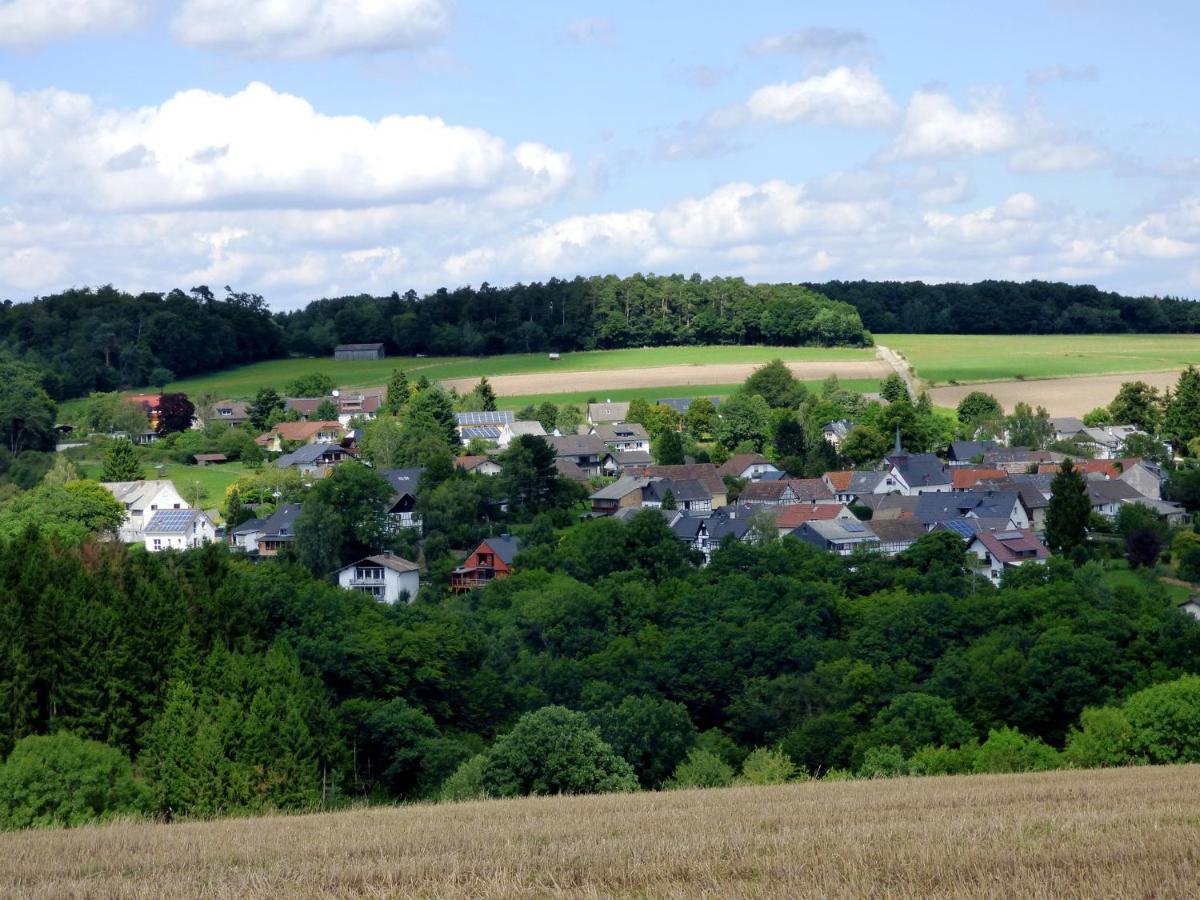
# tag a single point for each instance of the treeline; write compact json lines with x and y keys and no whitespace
{"x":1009,"y":307}
{"x":230,"y":685}
{"x":85,"y":339}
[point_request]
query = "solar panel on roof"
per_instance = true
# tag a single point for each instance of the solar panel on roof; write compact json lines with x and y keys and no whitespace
{"x":1009,"y":536}
{"x":481,"y":431}
{"x":170,"y":520}
{"x":853,"y":527}
{"x":494,"y":417}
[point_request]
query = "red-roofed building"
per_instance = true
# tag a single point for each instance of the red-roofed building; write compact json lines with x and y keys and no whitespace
{"x":1000,"y":550}
{"x":1109,"y":468}
{"x":839,"y":484}
{"x":304,"y":432}
{"x":963,"y":478}
{"x":151,"y":404}
{"x":793,"y":516}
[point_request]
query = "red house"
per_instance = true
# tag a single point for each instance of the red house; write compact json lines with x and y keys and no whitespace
{"x":490,"y":561}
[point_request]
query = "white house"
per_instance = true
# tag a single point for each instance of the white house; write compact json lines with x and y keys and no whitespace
{"x":179,"y":529}
{"x":752,"y":466}
{"x":142,"y":499}
{"x":919,"y":473}
{"x":385,"y":577}
{"x":247,"y":535}
{"x":623,"y":436}
{"x":510,"y":431}
{"x":1000,"y":550}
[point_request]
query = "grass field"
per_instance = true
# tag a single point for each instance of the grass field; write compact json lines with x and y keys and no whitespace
{"x":212,"y":479}
{"x":244,"y":381}
{"x":862,"y":385}
{"x":942,"y":358}
{"x":1103,"y":833}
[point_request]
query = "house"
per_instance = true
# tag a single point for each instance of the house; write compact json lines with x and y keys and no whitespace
{"x":1106,"y":496}
{"x":623,"y":436}
{"x":966,"y":477}
{"x":323,"y":432}
{"x":624,"y":493}
{"x":961,"y":453}
{"x":632,"y":459}
{"x":690,"y":495}
{"x":1066,"y":428}
{"x":587,"y":451}
{"x":1144,"y":477}
{"x":838,"y":536}
{"x":568,"y":470}
{"x":1017,"y":460}
{"x":897,"y":535}
{"x":1034,"y":491}
{"x":602,"y":413}
{"x":682,"y":404}
{"x":768,"y":493}
{"x":1108,"y":440}
{"x":231,"y":412}
{"x":1001,"y":506}
{"x":205,"y":459}
{"x":1171,"y":513}
{"x":752,"y":466}
{"x":358,"y":405}
{"x":401,"y":510}
{"x":866,"y":483}
{"x":488,"y":433}
{"x":705,"y":473}
{"x":789,"y":518}
{"x":179,"y":529}
{"x":359,"y":351}
{"x":889,"y":506}
{"x":837,"y":431}
{"x":1002,"y":550}
{"x":142,"y":499}
{"x":304,"y":407}
{"x":245,"y":536}
{"x":278,"y":529}
{"x":491,"y":561}
{"x":313,"y":459}
{"x":478,"y":465}
{"x":386,"y":577}
{"x":482,"y":425}
{"x":151,"y":405}
{"x":510,"y":431}
{"x":811,"y":490}
{"x":919,"y":473}
{"x":706,"y":533}
{"x":1191,"y":607}
{"x":839,"y":484}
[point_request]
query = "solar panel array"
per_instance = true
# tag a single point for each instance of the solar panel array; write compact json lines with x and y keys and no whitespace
{"x":484,"y":418}
{"x":963,"y":527}
{"x":488,"y":434}
{"x":853,"y":527}
{"x":171,"y":520}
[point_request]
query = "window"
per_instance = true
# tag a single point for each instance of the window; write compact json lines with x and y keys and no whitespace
{"x":368,"y":573}
{"x":157,"y":544}
{"x":485,"y":559}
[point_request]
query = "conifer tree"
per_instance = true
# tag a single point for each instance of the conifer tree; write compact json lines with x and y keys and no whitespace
{"x":1067,"y":515}
{"x":121,"y":462}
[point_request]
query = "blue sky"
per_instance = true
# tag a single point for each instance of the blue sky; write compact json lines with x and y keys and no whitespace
{"x":321,"y":147}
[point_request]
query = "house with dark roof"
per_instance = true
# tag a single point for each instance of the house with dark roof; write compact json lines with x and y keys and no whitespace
{"x":624,"y":493}
{"x":839,"y":536}
{"x":600,"y":413}
{"x":359,"y":351}
{"x":1106,"y":496}
{"x":245,"y":536}
{"x":889,"y":506}
{"x":768,"y":493}
{"x":706,"y":533}
{"x":623,"y":436}
{"x":491,"y":561}
{"x":179,"y":529}
{"x":386,"y":577}
{"x":586,"y":451}
{"x":837,"y":431}
{"x":897,"y":535}
{"x":231,"y":412}
{"x":401,"y":511}
{"x":631,"y":459}
{"x":919,"y":473}
{"x":743,"y":466}
{"x":962,"y":453}
{"x":689,"y":494}
{"x":278,"y":529}
{"x":999,"y":551}
{"x":705,"y":473}
{"x":313,"y":459}
{"x":975,"y":504}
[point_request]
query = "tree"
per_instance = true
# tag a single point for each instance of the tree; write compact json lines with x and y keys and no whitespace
{"x":701,"y":769}
{"x":653,"y":735}
{"x":1181,"y":420}
{"x":175,"y":413}
{"x":342,"y":518}
{"x":547,"y":412}
{"x":979,"y":406}
{"x":529,"y":477}
{"x":1138,"y":404}
{"x":466,"y":783}
{"x":326,"y":411}
{"x":776,"y":384}
{"x":62,"y":780}
{"x":487,"y":397}
{"x":554,"y":751}
{"x":668,"y":449}
{"x":660,"y":419}
{"x":26,"y":411}
{"x":431,"y":411}
{"x":315,"y":384}
{"x":1143,"y":533}
{"x":398,"y":392}
{"x":915,"y":720}
{"x":1007,"y":750}
{"x":893,"y":389}
{"x":789,"y":438}
{"x":1165,"y":722}
{"x":68,"y":512}
{"x":700,"y":420}
{"x":744,"y":418}
{"x":569,"y":419}
{"x":265,"y":407}
{"x":864,"y":445}
{"x":111,"y":412}
{"x":1069,"y":510}
{"x":1029,"y":428}
{"x":1098,"y":417}
{"x":62,"y":471}
{"x":767,"y":766}
{"x":383,"y":442}
{"x":121,"y":462}
{"x":668,"y":500}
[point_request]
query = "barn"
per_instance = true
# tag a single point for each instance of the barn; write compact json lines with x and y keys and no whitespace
{"x":359,"y":351}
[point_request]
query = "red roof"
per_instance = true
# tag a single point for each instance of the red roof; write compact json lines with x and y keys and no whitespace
{"x":1109,"y":468}
{"x":470,"y":463}
{"x":796,"y":514}
{"x":736,"y":465}
{"x":298,"y":431}
{"x":964,"y":477}
{"x":1013,"y":546}
{"x":810,"y":489}
{"x":839,"y":481}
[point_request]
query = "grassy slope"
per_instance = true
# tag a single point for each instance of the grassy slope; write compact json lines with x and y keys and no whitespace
{"x":212,"y":479}
{"x":659,"y":393}
{"x":941,"y":358}
{"x":244,"y":381}
{"x":1116,"y":832}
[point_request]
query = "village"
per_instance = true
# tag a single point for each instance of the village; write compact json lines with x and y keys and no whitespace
{"x":993,"y":496}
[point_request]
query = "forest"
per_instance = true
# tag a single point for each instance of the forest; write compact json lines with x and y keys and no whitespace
{"x":216,"y":685}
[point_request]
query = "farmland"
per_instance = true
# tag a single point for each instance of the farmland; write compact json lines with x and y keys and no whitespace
{"x":1116,"y":832}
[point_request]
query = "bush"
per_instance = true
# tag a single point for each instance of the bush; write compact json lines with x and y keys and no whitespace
{"x":651,"y":734}
{"x":916,"y":720}
{"x":1165,"y":722}
{"x":554,"y":751}
{"x":883,"y":762}
{"x":466,"y":783}
{"x":1007,"y":750}
{"x":65,"y":780}
{"x":701,"y":769}
{"x":722,"y":746}
{"x":943,"y":760}
{"x":767,"y":766}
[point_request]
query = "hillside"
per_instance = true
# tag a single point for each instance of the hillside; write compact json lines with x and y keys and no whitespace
{"x":1116,"y":832}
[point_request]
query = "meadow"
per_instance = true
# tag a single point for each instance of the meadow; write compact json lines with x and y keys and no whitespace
{"x":861,"y":385}
{"x":206,"y":483}
{"x":1067,"y":834}
{"x":939,"y":358}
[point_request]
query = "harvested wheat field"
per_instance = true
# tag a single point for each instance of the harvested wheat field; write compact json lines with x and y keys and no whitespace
{"x":664,"y":376}
{"x":1105,"y":833}
{"x":1060,"y":396}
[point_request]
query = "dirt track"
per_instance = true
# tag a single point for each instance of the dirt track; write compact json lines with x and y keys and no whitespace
{"x":662,"y":376}
{"x":1060,"y":396}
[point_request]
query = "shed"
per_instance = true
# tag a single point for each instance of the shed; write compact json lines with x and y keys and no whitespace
{"x":359,"y":351}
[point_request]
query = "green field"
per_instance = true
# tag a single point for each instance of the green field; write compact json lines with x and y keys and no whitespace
{"x":939,"y":359}
{"x":212,"y":479}
{"x":241,"y":383}
{"x":860,"y":385}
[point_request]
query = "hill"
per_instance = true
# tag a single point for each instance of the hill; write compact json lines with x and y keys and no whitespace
{"x":1115,"y":832}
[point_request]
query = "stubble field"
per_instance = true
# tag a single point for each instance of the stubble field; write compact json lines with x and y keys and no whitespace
{"x":1106,"y":833}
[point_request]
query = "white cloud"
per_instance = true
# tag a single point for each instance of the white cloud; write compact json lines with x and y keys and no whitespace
{"x":842,"y":96}
{"x":308,"y":28}
{"x":39,"y":21}
{"x":818,"y":41}
{"x":593,"y":30}
{"x":934,"y":127}
{"x":259,"y":149}
{"x":1059,"y":73}
{"x":1065,"y":155}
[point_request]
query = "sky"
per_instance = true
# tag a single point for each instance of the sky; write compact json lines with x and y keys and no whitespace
{"x":309,"y":148}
